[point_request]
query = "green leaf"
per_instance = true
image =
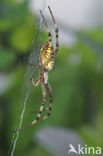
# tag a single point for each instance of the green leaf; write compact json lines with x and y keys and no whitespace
{"x":22,"y":38}
{"x":11,"y":14}
{"x":96,"y":35}
{"x":7,"y":57}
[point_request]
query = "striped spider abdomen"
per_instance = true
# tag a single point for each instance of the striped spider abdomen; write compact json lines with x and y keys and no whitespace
{"x":47,"y":57}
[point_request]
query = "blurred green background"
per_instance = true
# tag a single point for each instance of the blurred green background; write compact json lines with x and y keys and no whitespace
{"x":77,"y":82}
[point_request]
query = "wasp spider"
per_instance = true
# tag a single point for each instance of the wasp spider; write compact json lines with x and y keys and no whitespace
{"x":46,"y":64}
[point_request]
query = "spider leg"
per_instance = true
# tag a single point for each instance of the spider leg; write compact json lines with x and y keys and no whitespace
{"x":40,"y":110}
{"x":48,"y":30}
{"x":33,"y":83}
{"x":45,"y":109}
{"x":56,"y":30}
{"x":51,"y":101}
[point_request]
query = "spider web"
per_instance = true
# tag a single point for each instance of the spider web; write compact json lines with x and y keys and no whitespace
{"x":33,"y":59}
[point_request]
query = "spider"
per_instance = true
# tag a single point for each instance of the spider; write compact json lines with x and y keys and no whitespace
{"x":46,"y":64}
